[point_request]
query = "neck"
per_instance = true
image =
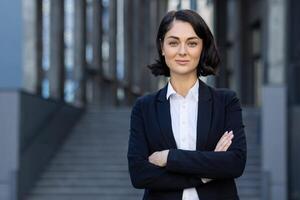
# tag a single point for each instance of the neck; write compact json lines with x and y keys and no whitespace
{"x":182,"y":84}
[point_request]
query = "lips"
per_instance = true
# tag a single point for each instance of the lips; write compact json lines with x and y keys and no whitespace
{"x":181,"y":62}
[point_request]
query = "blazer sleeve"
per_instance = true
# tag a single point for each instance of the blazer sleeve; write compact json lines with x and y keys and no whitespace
{"x":209,"y":164}
{"x":143,"y":174}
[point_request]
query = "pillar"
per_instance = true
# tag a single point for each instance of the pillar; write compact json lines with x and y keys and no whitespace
{"x":293,"y":82}
{"x":113,"y":50}
{"x":96,"y":68}
{"x":136,"y":57}
{"x":153,"y":24}
{"x":79,"y":50}
{"x":221,"y":39}
{"x":32,"y":53}
{"x":128,"y":50}
{"x":56,"y":72}
{"x":274,"y":121}
{"x":144,"y":40}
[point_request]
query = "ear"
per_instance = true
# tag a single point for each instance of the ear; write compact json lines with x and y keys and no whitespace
{"x":162,"y":52}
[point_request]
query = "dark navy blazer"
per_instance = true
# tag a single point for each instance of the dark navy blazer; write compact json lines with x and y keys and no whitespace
{"x":219,"y":110}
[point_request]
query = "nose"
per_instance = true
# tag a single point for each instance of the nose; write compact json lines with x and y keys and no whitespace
{"x":182,"y":50}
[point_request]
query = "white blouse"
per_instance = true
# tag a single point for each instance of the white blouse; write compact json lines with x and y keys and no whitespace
{"x":184,"y":111}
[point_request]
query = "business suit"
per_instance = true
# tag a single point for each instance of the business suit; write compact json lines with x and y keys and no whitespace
{"x":151,"y":130}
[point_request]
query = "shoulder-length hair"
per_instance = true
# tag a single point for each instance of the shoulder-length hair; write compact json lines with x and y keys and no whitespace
{"x":209,"y":60}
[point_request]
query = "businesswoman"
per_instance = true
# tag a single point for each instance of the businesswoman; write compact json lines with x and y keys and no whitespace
{"x":187,"y":140}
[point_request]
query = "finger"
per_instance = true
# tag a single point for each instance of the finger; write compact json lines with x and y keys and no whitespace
{"x":155,"y":158}
{"x":152,"y":157}
{"x":223,"y":144}
{"x":223,"y":147}
{"x":153,"y":161}
{"x":224,"y":135}
{"x":224,"y":139}
{"x":226,"y":145}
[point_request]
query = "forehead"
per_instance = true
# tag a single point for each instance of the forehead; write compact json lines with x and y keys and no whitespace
{"x":181,"y":29}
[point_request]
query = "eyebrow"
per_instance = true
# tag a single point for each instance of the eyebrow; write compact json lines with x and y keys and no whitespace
{"x":177,"y":38}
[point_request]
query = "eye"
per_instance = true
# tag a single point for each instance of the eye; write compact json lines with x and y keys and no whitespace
{"x":192,"y":44}
{"x":173,"y":43}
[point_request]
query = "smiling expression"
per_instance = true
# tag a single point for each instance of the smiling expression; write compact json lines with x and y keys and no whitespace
{"x":182,"y":49}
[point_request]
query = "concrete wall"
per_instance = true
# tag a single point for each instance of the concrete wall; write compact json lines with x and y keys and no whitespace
{"x":32,"y":129}
{"x":294,"y":159}
{"x":9,"y":152}
{"x":274,"y":142}
{"x":35,"y":114}
{"x":52,"y":123}
{"x":11,"y":42}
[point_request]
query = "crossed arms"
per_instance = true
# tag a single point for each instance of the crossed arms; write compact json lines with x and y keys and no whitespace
{"x":180,"y":169}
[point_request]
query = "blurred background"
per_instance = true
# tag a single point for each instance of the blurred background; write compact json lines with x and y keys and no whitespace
{"x":70,"y":70}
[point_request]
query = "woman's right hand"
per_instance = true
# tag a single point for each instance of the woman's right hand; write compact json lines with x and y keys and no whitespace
{"x":225,"y":141}
{"x":223,"y":145}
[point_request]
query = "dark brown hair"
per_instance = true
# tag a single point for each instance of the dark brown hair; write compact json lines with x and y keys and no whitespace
{"x":209,"y":59}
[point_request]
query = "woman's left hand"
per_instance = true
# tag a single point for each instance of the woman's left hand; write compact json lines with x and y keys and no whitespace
{"x":159,"y":158}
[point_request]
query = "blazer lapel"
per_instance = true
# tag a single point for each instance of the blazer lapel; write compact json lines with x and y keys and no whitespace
{"x":164,"y":118}
{"x":204,"y":115}
{"x":203,"y":119}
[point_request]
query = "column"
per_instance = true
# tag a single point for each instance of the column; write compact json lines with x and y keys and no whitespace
{"x":96,"y":77}
{"x":246,"y":65}
{"x":128,"y":46}
{"x":274,"y":102}
{"x":97,"y":36}
{"x":32,"y":53}
{"x":144,"y":30}
{"x":153,"y":24}
{"x":293,"y":82}
{"x":113,"y":51}
{"x":136,"y":23}
{"x":221,"y":38}
{"x":56,"y":72}
{"x":79,"y":50}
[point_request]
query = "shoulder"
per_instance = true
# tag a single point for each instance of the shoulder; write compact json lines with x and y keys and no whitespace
{"x":145,"y":104}
{"x":147,"y":99}
{"x":224,"y":95}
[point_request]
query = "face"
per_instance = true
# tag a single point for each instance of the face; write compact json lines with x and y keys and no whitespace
{"x":182,"y":49}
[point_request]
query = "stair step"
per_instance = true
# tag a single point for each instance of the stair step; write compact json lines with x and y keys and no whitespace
{"x":86,"y":197}
{"x":92,"y":163}
{"x":101,"y":190}
{"x":85,"y":182}
{"x":83,"y":175}
{"x":100,"y":168}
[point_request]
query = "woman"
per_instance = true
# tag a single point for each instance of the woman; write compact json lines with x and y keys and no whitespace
{"x":187,"y":140}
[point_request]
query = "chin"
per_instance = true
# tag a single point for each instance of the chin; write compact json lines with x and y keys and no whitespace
{"x":184,"y":73}
{"x":181,"y":71}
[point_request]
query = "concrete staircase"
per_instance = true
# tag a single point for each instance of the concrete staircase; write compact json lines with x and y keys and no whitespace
{"x":92,"y":164}
{"x":249,"y":184}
